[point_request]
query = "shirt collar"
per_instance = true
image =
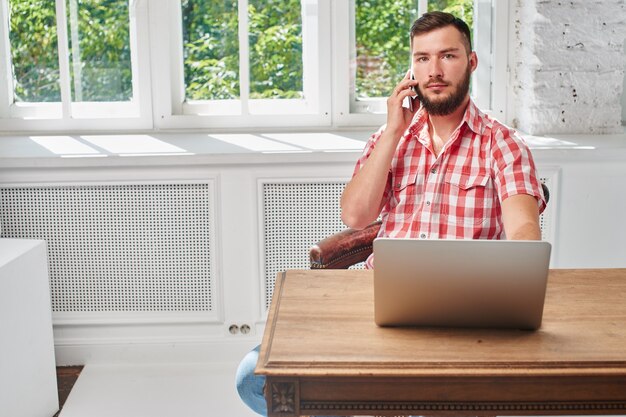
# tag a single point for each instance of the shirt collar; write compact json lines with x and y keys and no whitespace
{"x":473,"y":117}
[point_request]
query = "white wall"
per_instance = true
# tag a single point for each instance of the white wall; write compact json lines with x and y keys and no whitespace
{"x":591,"y":231}
{"x":589,"y":204}
{"x":624,"y":88}
{"x":568,"y":66}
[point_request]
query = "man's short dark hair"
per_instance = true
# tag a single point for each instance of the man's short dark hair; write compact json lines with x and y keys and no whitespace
{"x":436,"y":20}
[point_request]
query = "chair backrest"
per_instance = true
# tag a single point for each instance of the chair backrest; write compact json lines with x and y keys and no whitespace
{"x":546,"y":192}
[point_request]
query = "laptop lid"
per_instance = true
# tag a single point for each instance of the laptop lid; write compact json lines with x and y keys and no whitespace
{"x":460,"y":283}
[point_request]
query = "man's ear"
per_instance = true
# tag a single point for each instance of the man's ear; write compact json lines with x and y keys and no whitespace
{"x":473,"y":60}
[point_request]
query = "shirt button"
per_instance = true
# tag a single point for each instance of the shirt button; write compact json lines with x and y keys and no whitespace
{"x":433,"y":171}
{"x":423,"y":236}
{"x":428,"y":203}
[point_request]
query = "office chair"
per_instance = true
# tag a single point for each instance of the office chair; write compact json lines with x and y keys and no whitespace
{"x":350,"y":246}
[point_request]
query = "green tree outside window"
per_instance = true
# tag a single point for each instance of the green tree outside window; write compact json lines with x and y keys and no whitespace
{"x":102,"y":28}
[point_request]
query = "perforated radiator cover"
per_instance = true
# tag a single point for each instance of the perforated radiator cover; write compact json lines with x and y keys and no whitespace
{"x":120,"y":248}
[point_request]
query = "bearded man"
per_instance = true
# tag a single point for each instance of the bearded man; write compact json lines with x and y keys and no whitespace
{"x":444,"y":170}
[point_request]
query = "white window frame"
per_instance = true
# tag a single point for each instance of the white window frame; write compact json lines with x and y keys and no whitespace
{"x":79,"y":116}
{"x":158,"y":83}
{"x":171,"y":110}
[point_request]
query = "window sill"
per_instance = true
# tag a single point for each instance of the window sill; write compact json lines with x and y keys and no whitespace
{"x":242,"y":149}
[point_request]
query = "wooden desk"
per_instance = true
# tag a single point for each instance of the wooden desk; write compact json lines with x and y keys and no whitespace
{"x":323,"y":354}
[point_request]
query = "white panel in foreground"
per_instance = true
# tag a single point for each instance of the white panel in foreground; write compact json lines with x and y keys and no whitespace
{"x":28,"y":385}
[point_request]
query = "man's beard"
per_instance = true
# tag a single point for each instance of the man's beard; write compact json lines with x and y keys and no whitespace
{"x":449,"y":104}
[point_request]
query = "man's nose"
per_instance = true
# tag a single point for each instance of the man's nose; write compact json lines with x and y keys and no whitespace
{"x":435,"y":70}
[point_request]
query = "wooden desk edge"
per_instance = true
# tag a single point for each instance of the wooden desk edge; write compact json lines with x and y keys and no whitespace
{"x":266,"y":343}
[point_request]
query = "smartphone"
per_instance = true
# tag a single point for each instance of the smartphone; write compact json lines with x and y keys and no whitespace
{"x":412,"y":99}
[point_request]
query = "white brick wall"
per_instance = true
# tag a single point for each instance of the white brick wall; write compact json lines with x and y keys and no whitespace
{"x":624,"y":87}
{"x":568,"y":70}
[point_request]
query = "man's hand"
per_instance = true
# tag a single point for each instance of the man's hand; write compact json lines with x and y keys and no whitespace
{"x":361,"y":201}
{"x":398,"y":117}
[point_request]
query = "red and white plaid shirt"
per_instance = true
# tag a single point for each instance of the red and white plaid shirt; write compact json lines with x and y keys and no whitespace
{"x":455,"y":195}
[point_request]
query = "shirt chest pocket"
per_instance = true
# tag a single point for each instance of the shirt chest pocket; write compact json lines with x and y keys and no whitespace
{"x":467,"y":198}
{"x":465,"y":181}
{"x":405,"y":194}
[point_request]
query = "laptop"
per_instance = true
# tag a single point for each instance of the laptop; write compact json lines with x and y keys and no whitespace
{"x":460,"y":283}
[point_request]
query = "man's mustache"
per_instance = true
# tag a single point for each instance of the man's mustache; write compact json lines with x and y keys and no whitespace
{"x":436,"y":81}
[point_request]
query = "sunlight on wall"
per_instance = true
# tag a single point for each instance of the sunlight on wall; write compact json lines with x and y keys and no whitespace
{"x":255,"y":143}
{"x":64,"y":145}
{"x":136,"y":145}
{"x":318,"y":141}
{"x":545,"y":142}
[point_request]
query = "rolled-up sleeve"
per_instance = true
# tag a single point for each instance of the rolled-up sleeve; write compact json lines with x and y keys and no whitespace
{"x":513,"y":167}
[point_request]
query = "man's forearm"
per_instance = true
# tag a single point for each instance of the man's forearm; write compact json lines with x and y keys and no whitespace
{"x":527,"y":231}
{"x":361,"y":201}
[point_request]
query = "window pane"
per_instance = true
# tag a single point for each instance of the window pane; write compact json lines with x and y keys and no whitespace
{"x":275,"y":48}
{"x":463,"y":9}
{"x":33,"y":40}
{"x":382,"y":44}
{"x":210,"y":49}
{"x":99,"y":46}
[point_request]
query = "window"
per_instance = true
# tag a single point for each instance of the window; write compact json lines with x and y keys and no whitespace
{"x":245,"y":63}
{"x":380,"y":51}
{"x":70,"y":63}
{"x":73,"y":65}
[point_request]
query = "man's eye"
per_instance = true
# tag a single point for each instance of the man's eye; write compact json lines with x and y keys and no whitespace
{"x":448,"y":56}
{"x":422,"y":59}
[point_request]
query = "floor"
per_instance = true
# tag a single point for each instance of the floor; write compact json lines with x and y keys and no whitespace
{"x":66,"y":378}
{"x":158,"y":390}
